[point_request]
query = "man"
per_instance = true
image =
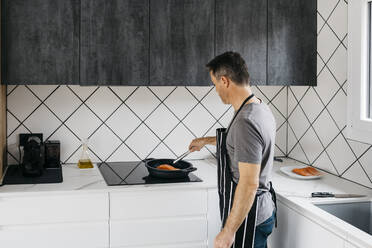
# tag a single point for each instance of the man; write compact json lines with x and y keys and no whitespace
{"x":245,"y":153}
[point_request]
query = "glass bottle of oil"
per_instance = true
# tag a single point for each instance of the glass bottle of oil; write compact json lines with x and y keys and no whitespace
{"x":84,"y":161}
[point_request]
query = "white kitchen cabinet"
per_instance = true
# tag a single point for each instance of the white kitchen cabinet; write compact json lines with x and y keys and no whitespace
{"x":71,"y":235}
{"x":297,"y":231}
{"x":71,"y":220}
{"x":37,"y":209}
{"x":159,"y":217}
{"x":158,"y":231}
{"x":159,"y":203}
{"x":214,"y":219}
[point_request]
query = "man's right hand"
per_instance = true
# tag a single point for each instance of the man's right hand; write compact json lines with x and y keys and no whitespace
{"x":198,"y":143}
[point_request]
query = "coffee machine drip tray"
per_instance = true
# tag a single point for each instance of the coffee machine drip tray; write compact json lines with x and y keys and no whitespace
{"x":13,"y":175}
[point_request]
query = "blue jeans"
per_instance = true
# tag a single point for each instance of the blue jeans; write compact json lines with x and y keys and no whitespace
{"x":263,"y":231}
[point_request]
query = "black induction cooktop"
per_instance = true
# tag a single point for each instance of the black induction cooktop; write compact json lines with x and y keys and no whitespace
{"x":135,"y":172}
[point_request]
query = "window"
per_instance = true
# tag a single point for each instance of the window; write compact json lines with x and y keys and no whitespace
{"x":360,"y":70}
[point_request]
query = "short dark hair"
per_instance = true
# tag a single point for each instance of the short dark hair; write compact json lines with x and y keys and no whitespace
{"x":231,"y":65}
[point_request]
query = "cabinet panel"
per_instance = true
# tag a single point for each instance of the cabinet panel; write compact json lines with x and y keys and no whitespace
{"x":214,"y":218}
{"x":114,"y":42}
{"x":40,"y":41}
{"x":153,"y":204}
{"x":241,"y":26}
{"x":72,"y":235}
{"x":297,"y":231}
{"x":181,"y":41}
{"x":292,"y":42}
{"x":158,"y":231}
{"x":53,"y":209}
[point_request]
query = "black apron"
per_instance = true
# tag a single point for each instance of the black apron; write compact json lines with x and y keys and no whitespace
{"x":244,"y":237}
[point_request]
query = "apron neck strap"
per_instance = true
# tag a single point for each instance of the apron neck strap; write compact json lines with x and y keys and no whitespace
{"x":240,"y":108}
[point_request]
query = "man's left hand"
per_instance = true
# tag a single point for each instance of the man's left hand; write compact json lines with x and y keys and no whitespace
{"x":224,"y":239}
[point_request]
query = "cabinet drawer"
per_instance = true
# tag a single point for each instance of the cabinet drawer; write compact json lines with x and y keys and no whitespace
{"x":53,"y":209}
{"x":71,"y":235}
{"x":152,"y":204}
{"x":158,"y":231}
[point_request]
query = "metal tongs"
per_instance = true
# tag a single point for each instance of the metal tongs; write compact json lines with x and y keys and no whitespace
{"x":181,"y":157}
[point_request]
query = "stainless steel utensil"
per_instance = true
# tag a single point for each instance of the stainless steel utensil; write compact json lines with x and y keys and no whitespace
{"x":328,"y":194}
{"x":181,"y":157}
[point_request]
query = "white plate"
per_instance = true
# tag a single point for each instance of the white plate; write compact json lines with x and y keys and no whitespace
{"x":288,"y":171}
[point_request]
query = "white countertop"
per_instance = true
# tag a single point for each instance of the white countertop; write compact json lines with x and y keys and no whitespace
{"x":294,"y":193}
{"x":77,"y":180}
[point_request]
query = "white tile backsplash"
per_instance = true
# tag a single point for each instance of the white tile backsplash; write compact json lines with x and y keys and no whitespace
{"x":161,"y":121}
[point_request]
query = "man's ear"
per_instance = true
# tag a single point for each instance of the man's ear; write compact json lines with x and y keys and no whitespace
{"x":225,"y":81}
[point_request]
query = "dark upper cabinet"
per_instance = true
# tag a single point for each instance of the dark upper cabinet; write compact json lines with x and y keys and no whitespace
{"x":40,"y":41}
{"x":114,"y":42}
{"x":181,"y":41}
{"x":292,"y":42}
{"x":241,"y":26}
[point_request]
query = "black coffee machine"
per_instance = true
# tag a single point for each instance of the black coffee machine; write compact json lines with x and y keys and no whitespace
{"x":40,"y":161}
{"x":33,"y":158}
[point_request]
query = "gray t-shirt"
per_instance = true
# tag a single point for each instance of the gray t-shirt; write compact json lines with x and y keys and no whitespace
{"x":251,"y":139}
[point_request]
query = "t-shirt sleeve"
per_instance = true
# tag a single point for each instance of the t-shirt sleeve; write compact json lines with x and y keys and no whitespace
{"x":248,"y":142}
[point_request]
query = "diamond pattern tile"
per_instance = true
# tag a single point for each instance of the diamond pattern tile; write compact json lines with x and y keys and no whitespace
{"x":337,"y":108}
{"x":179,"y":139}
{"x":142,"y":102}
{"x":338,"y":20}
{"x":327,"y":86}
{"x":42,"y":91}
{"x":180,"y":102}
{"x":83,"y":92}
{"x":69,"y":142}
{"x":123,"y":92}
{"x":42,"y":115}
{"x":311,"y":105}
{"x":325,"y":127}
{"x":199,"y":121}
{"x":12,"y":123}
{"x":298,"y":154}
{"x":103,"y":142}
{"x":323,"y":162}
{"x":356,"y":174}
{"x":123,"y":153}
{"x":58,"y":104}
{"x":366,"y":162}
{"x":325,"y":7}
{"x":162,"y":152}
{"x":214,"y":104}
{"x":328,"y":41}
{"x":183,"y":104}
{"x":162,"y":121}
{"x":21,"y":102}
{"x":103,"y":102}
{"x":200,"y":91}
{"x":311,"y":145}
{"x":299,"y":122}
{"x":123,"y":122}
{"x":338,"y":64}
{"x":341,"y":154}
{"x":83,"y":122}
{"x":142,"y":141}
{"x":162,"y":91}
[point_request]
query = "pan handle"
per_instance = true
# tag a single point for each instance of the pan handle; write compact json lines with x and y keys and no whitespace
{"x":147,"y":159}
{"x":190,"y":169}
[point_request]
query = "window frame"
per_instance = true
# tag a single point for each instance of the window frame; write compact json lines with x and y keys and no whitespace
{"x":359,"y":126}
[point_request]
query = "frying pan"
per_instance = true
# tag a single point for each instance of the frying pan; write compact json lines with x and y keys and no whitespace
{"x":184,"y":168}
